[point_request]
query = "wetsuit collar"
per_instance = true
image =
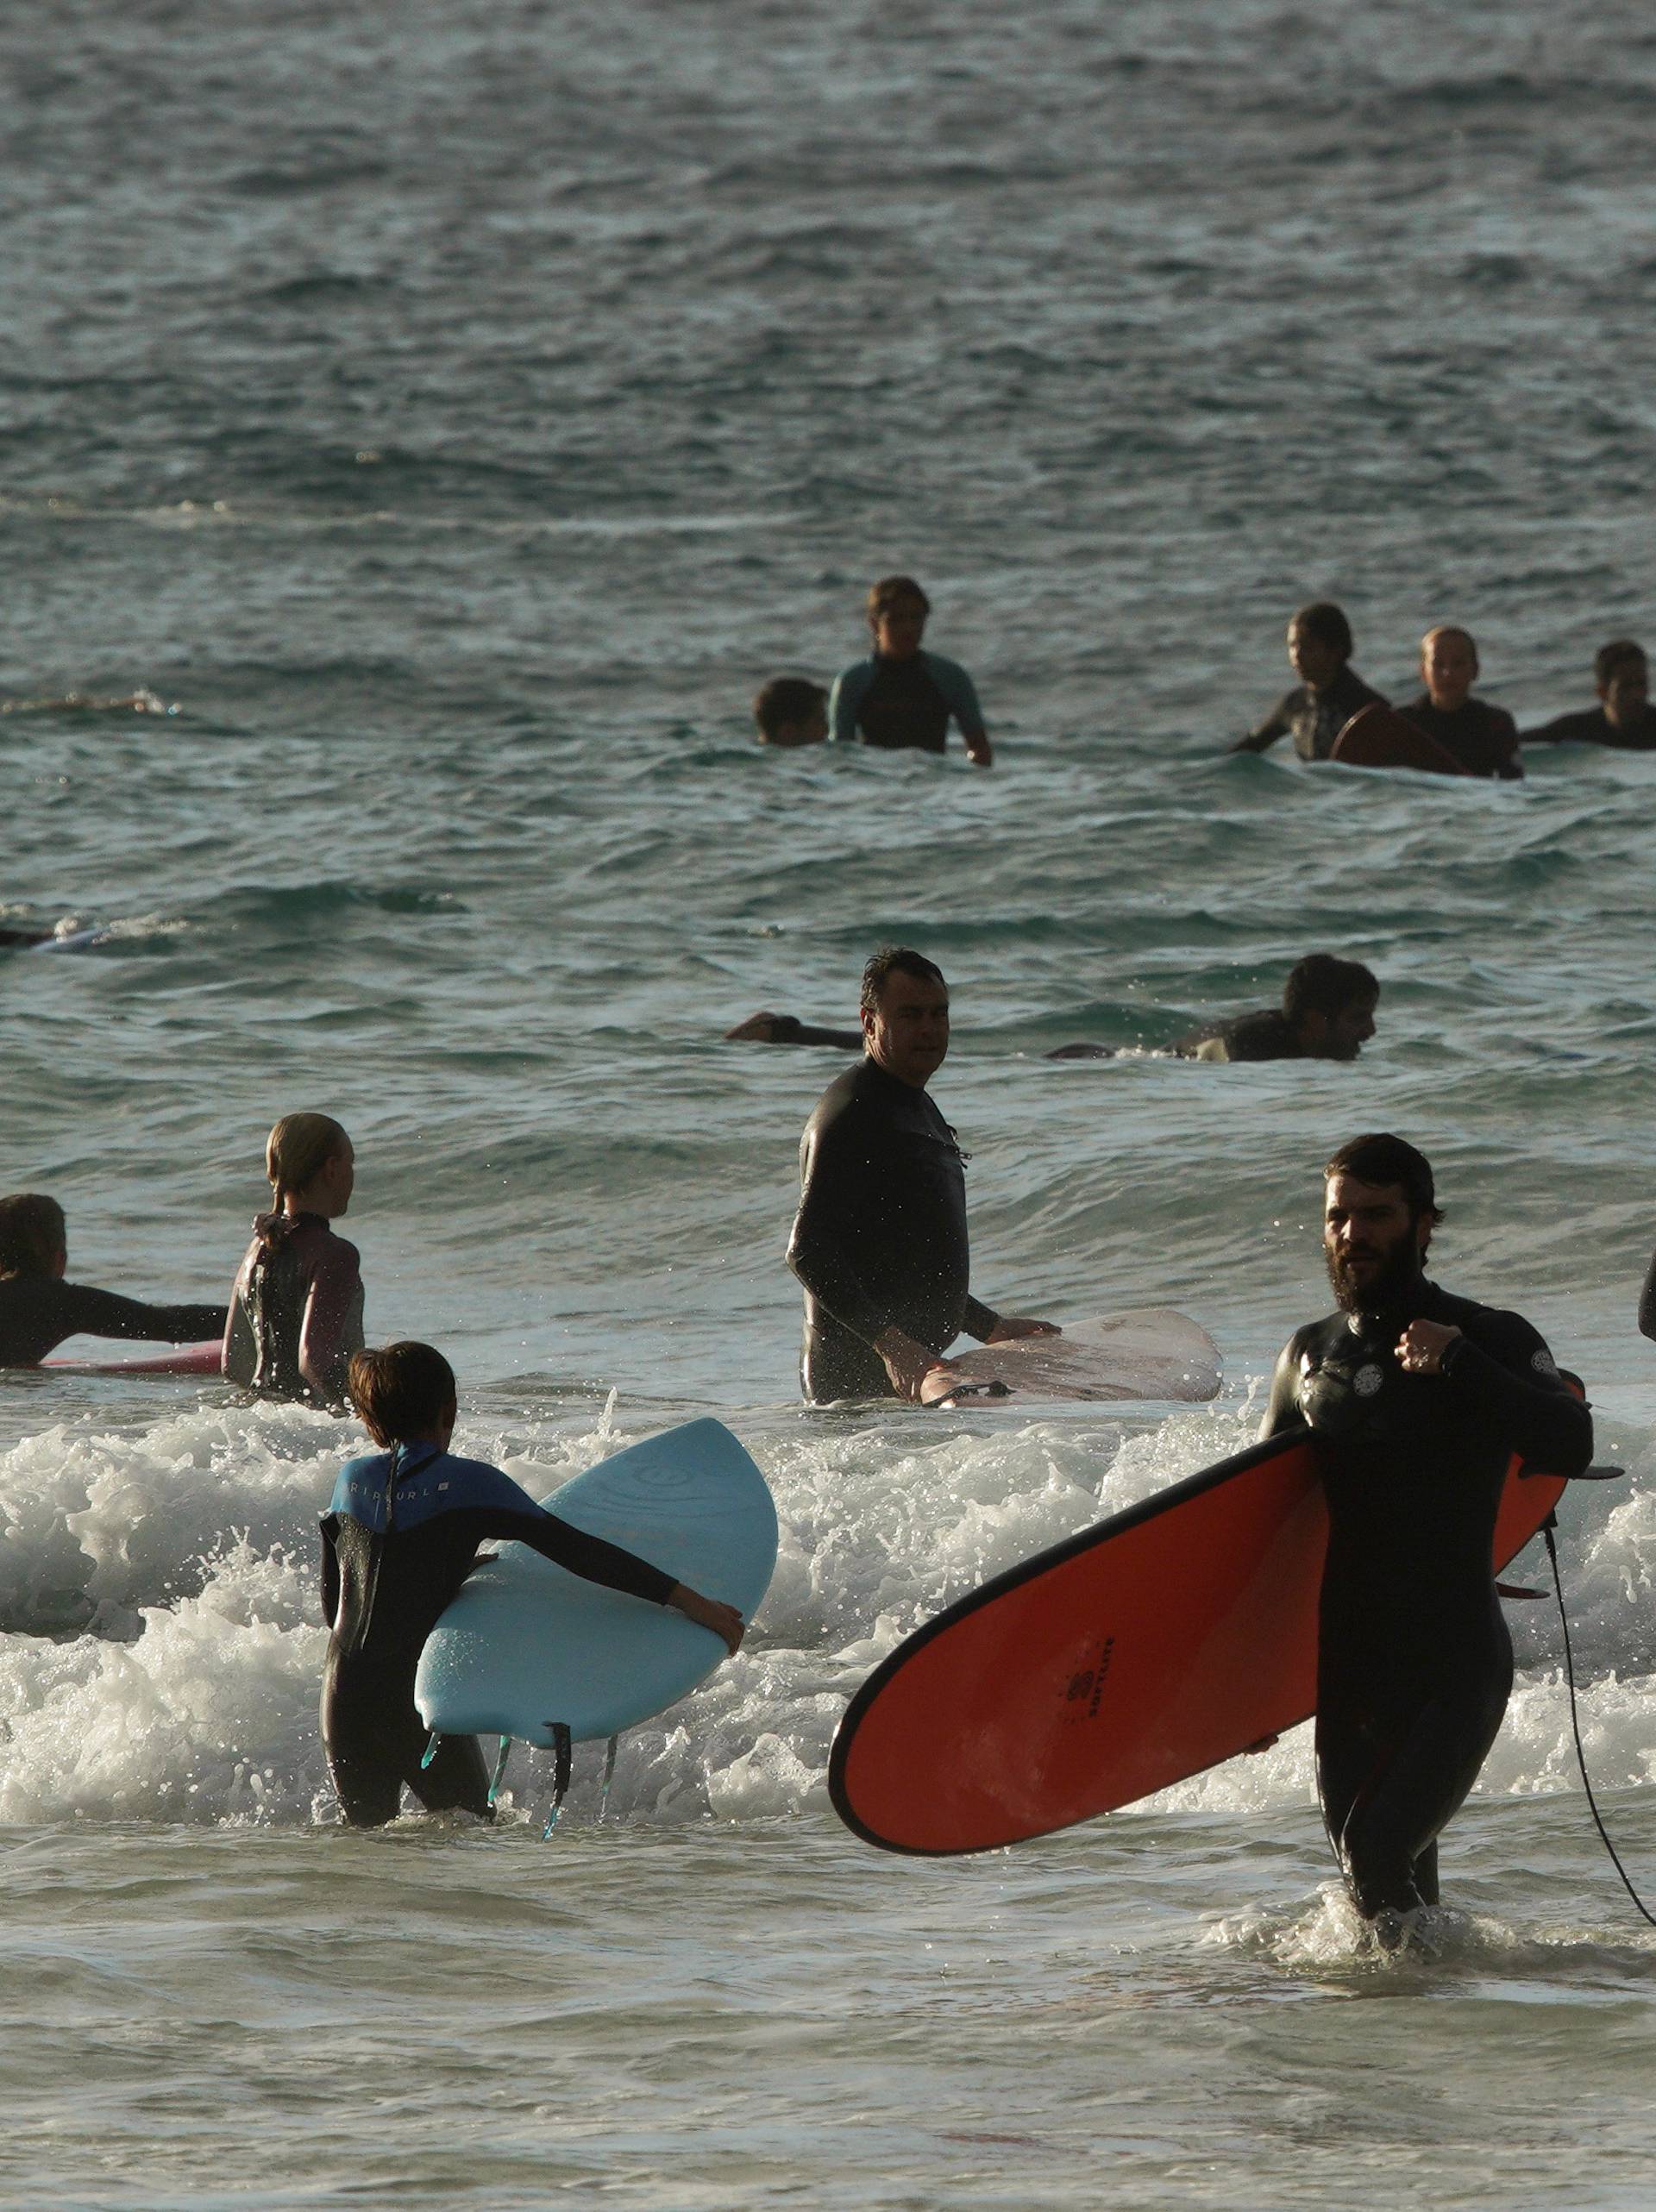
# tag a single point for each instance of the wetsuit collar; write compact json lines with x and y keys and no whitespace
{"x":414,"y":1458}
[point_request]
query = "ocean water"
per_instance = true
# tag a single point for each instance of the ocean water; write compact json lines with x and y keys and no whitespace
{"x":448,"y":421}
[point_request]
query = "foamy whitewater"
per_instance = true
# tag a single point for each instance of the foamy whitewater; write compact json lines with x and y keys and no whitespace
{"x":451,"y":423}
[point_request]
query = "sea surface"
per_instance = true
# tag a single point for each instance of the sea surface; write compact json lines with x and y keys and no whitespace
{"x":445,"y":417}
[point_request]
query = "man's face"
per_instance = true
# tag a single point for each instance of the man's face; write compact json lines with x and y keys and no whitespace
{"x":1340,"y":1036}
{"x":1628,"y":692}
{"x":1315,"y":661}
{"x":898,"y":631}
{"x":908,"y":1032}
{"x":1449,"y":664}
{"x":1372,"y":1244}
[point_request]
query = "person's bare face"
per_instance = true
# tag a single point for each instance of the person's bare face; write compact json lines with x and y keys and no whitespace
{"x":1340,"y":1036}
{"x":1370,"y":1242}
{"x":810,"y":729}
{"x":1315,"y":661}
{"x":898,"y":631}
{"x":908,"y":1033}
{"x":1627,"y":694}
{"x":1449,"y":664}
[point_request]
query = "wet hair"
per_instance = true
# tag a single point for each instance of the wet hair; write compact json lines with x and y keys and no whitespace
{"x":1616,"y":654}
{"x":298,"y":1148}
{"x":400,"y":1390}
{"x":33,"y":1231}
{"x":1449,"y":629}
{"x":891,"y":592}
{"x":1327,"y":622}
{"x":895,"y":959}
{"x":1381,"y":1160}
{"x":1321,"y":984}
{"x":786,"y":699}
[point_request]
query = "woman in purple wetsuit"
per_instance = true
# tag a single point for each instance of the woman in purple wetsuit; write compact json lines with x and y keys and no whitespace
{"x":38,"y":1309}
{"x":296,"y":1312}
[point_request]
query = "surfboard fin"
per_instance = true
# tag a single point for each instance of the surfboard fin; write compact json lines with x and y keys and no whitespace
{"x":562,"y":1750}
{"x":498,"y":1775}
{"x":432,"y":1741}
{"x":609,"y":1775}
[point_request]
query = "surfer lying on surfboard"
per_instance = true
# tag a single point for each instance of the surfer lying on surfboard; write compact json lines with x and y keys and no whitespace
{"x":38,"y":1309}
{"x":401,"y":1536}
{"x":1416,"y":1402}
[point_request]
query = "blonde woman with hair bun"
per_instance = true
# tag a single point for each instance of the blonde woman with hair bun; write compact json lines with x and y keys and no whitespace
{"x":296,"y":1312}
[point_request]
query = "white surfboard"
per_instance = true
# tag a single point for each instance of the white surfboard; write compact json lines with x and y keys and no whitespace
{"x":188,"y":1359}
{"x":527,"y":1648}
{"x":1151,"y":1353}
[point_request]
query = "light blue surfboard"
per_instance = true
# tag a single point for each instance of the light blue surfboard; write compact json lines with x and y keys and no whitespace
{"x":528,"y":1648}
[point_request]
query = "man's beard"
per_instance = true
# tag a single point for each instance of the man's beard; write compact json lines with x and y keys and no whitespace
{"x":1390,"y":1284}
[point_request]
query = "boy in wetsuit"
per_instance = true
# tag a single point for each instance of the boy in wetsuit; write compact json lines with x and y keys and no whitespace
{"x":901,"y":697}
{"x":1624,"y":716}
{"x":1416,"y":1402}
{"x":402,"y":1535}
{"x":1329,"y":693}
{"x":38,"y":1309}
{"x":1482,"y":738}
{"x":789,"y":711}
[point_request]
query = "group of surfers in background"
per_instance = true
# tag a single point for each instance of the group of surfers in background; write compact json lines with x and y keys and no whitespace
{"x":903,"y":696}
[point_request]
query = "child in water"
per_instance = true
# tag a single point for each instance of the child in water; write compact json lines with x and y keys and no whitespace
{"x":401,"y":1537}
{"x":295,"y":1311}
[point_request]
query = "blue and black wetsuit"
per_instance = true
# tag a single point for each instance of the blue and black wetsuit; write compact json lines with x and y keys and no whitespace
{"x":904,"y":704}
{"x":401,"y":1537}
{"x":1413,"y":1661}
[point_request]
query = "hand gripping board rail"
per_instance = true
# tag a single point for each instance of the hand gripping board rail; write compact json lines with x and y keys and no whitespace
{"x":1139,"y":1652}
{"x":527,"y":1647}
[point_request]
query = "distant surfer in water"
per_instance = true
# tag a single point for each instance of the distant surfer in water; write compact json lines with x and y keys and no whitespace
{"x":879,"y":1241}
{"x":1624,"y":716}
{"x":790,"y":712}
{"x":401,"y":1536}
{"x":38,"y":1309}
{"x":901,"y":698}
{"x":1416,"y":1402}
{"x":1329,"y":693}
{"x":296,"y":1311}
{"x":1327,"y":1013}
{"x":765,"y":1028}
{"x":1481,"y":738}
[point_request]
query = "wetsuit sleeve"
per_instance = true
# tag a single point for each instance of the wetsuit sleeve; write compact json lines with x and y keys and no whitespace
{"x":1647,"y":1303}
{"x":589,"y":1557}
{"x":1513,"y":1384}
{"x":1284,"y":1411}
{"x":239,"y":1361}
{"x":1265,"y":734}
{"x":330,"y":1569}
{"x":332,"y":1328}
{"x":106,"y":1314}
{"x":818,"y":1252}
{"x":961,"y":693}
{"x":847,"y":695}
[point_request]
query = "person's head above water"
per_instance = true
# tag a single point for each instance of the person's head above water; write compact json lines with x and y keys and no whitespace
{"x":33,"y":1237}
{"x":791,"y":710}
{"x":311,"y":1166}
{"x":1380,"y":1206}
{"x":897,"y":610}
{"x":1621,"y":677}
{"x":1319,"y":644}
{"x":404,"y":1393}
{"x":904,"y":1014}
{"x":1329,"y":1004}
{"x":1448,"y":666}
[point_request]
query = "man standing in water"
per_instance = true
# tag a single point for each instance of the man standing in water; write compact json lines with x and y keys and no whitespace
{"x":1416,"y":1402}
{"x":880,"y":1242}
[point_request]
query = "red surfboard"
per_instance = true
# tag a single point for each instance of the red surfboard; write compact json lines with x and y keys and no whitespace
{"x":1125,"y":1659}
{"x":1379,"y":737}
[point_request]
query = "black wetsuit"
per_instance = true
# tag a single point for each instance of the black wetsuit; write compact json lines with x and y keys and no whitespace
{"x":880,"y":1238}
{"x":37,"y":1311}
{"x":1263,"y":1036}
{"x":1592,"y":726}
{"x":1481,"y":738}
{"x":1313,"y":719}
{"x":386,"y":1574}
{"x":1413,"y":1661}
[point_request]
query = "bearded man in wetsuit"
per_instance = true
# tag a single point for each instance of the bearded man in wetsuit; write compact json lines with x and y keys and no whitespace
{"x":1416,"y":1402}
{"x":901,"y":698}
{"x":1329,"y":693}
{"x":880,"y":1242}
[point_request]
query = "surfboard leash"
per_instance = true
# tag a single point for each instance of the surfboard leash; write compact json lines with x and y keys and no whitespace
{"x":1547,"y":1527}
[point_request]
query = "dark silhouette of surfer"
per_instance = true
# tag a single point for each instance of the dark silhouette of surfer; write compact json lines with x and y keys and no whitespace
{"x":1416,"y":1402}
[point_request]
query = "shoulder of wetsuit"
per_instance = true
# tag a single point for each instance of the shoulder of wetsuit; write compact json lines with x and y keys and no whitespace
{"x":950,"y":678}
{"x":358,"y":1476}
{"x":849,"y":688}
{"x":1262,"y":1035}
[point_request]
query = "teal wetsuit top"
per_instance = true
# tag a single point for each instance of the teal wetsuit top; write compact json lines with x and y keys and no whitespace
{"x":903,"y":703}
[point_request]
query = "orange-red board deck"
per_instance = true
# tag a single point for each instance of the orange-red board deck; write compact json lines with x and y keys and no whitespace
{"x":1377,"y":736}
{"x":1131,"y":1656}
